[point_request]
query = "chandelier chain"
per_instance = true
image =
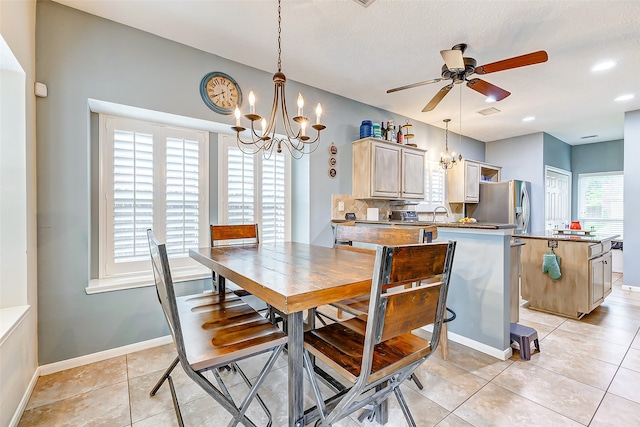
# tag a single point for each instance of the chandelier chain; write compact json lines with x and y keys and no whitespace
{"x":297,"y":142}
{"x":279,"y":39}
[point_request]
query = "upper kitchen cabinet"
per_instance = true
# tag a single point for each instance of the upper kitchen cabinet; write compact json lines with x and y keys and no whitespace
{"x":383,"y":170}
{"x":463,"y":180}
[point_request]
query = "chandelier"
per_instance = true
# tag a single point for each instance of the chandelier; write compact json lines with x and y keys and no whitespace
{"x":448,"y":159}
{"x":295,"y":141}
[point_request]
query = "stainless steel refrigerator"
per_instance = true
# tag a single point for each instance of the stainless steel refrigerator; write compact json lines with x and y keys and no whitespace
{"x":505,"y":202}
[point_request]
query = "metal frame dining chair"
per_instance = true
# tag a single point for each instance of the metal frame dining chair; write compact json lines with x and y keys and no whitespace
{"x":211,"y":331}
{"x":377,"y":352}
{"x":344,"y":237}
{"x":239,"y":234}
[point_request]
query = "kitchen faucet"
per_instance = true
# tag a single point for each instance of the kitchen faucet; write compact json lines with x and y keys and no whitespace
{"x":446,"y":210}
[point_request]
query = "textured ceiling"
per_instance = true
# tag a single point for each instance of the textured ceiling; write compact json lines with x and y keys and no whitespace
{"x":357,"y":52}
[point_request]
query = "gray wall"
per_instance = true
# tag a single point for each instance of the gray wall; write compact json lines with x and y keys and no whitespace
{"x":631,"y":200}
{"x":522,"y":158}
{"x":556,"y":153}
{"x":80,"y":56}
{"x":591,"y":158}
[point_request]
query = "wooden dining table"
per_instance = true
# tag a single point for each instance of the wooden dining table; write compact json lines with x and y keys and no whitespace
{"x":293,"y":278}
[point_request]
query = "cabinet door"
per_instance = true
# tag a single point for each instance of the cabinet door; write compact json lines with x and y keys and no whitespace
{"x":385,"y":171}
{"x":596,"y":281}
{"x":607,"y":272}
{"x":412,"y":174}
{"x":471,"y":182}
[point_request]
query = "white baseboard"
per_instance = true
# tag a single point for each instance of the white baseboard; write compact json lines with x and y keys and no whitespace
{"x":25,"y":399}
{"x":631,"y":288}
{"x":103,"y":355}
{"x":483,"y":348}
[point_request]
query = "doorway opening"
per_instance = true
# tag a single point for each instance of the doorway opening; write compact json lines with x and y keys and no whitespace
{"x":557,"y":198}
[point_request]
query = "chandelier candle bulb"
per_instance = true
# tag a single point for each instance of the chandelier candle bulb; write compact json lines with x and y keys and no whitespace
{"x":264,"y":127}
{"x":237,"y":114}
{"x":303,"y":126}
{"x":318,"y":113}
{"x":252,"y":103}
{"x":300,"y":104}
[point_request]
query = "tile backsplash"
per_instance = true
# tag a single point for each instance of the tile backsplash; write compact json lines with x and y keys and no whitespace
{"x":358,"y":207}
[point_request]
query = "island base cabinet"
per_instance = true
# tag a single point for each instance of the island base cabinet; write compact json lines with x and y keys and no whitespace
{"x":600,"y":279}
{"x":583,"y":286}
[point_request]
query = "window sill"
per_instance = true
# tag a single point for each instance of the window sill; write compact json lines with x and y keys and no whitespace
{"x":131,"y":281}
{"x":10,"y":318}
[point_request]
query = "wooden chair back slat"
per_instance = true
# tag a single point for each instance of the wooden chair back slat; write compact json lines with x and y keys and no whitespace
{"x":409,"y":309}
{"x":346,"y":235}
{"x":221,"y":233}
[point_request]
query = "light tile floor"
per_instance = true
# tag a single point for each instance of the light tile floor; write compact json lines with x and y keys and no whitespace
{"x":587,"y":373}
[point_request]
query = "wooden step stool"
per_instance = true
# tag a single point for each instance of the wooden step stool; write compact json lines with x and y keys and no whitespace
{"x":523,"y":336}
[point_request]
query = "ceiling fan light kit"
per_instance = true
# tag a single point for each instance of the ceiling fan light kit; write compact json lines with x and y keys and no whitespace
{"x":459,"y":69}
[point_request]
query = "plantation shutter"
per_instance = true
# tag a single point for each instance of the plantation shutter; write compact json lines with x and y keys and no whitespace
{"x":601,"y":202}
{"x":241,"y":188}
{"x":273,"y":198}
{"x":182,"y":195}
{"x":435,"y":187}
{"x":132,"y":195}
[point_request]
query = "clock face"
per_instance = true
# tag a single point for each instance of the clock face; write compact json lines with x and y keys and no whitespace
{"x":220,"y":92}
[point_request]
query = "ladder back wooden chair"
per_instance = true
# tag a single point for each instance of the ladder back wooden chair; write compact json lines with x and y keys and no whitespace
{"x":223,"y":235}
{"x":365,"y":238}
{"x":211,"y":331}
{"x":377,"y":352}
{"x":240,"y":234}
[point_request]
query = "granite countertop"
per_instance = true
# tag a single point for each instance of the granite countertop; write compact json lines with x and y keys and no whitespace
{"x":588,"y":238}
{"x":476,"y":225}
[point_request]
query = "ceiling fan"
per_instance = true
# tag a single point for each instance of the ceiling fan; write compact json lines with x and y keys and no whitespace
{"x":458,"y":69}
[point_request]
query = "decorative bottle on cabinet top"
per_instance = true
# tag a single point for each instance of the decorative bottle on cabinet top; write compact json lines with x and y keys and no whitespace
{"x":366,"y":129}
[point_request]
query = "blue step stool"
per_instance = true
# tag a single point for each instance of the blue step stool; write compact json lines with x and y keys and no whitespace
{"x":523,"y":336}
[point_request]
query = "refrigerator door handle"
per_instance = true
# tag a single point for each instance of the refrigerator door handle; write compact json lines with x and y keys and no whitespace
{"x":525,"y":208}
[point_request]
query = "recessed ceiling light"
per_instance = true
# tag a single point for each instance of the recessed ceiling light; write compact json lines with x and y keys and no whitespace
{"x":490,"y":99}
{"x":528,"y":119}
{"x":624,"y":97}
{"x":605,"y":65}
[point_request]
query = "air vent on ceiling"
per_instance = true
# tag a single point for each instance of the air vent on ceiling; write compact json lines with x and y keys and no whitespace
{"x":364,"y":3}
{"x":588,"y":136}
{"x":488,"y":111}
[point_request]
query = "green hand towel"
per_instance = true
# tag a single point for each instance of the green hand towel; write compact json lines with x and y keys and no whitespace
{"x":551,"y":265}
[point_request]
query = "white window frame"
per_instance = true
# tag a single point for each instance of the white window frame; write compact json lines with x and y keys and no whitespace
{"x":584,"y":221}
{"x":428,"y":204}
{"x":138,"y":274}
{"x":224,"y":143}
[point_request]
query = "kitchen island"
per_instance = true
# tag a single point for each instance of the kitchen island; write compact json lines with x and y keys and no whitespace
{"x":585,"y":266}
{"x":479,"y":289}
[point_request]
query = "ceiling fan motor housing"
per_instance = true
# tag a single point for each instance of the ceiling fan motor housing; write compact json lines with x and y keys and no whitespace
{"x":459,"y":76}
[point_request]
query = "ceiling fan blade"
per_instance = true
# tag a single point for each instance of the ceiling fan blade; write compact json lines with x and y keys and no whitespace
{"x":487,"y":89}
{"x":453,"y":59}
{"x":414,"y":85}
{"x":436,"y":99}
{"x":515,"y":62}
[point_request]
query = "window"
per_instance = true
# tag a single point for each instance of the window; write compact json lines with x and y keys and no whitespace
{"x":153,"y":176}
{"x":600,"y":201}
{"x":254,"y":190}
{"x":434,"y":180}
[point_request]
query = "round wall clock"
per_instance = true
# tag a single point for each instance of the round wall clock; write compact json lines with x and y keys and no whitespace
{"x":220,"y":92}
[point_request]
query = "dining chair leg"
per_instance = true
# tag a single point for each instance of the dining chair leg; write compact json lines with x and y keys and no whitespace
{"x":254,"y":389}
{"x":174,"y":397}
{"x":415,"y":379}
{"x":165,"y":376}
{"x":404,"y":407}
